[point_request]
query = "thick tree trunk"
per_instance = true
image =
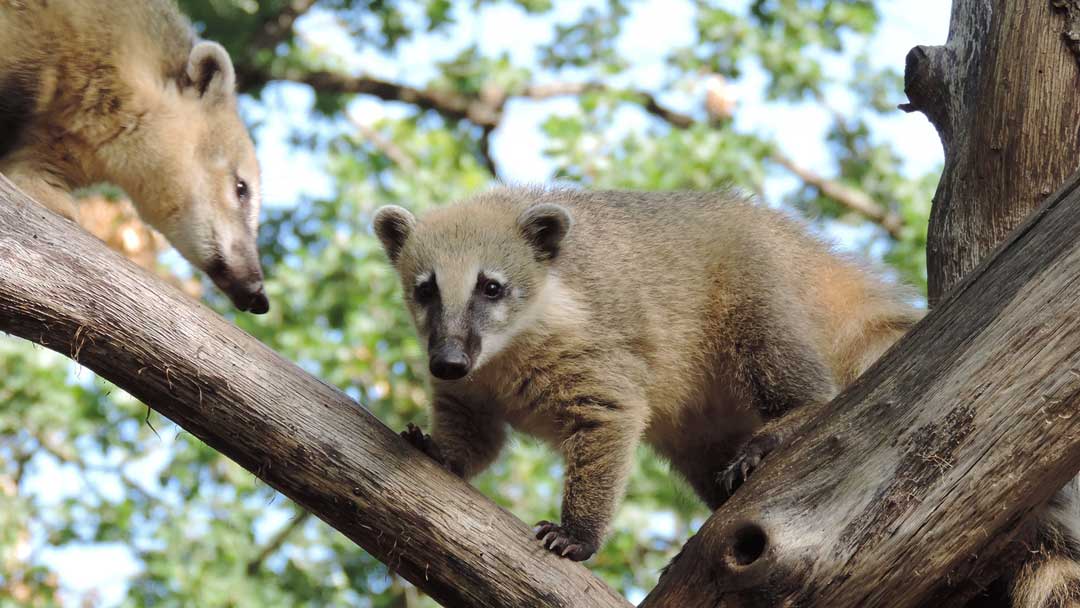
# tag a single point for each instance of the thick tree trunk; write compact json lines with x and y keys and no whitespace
{"x":1004,"y":94}
{"x":62,"y":288}
{"x":917,"y":476}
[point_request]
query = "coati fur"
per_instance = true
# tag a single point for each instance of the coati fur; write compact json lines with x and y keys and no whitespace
{"x":595,"y":320}
{"x":124,"y":92}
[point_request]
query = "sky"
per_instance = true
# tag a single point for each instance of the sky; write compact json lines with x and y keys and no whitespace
{"x":291,"y":175}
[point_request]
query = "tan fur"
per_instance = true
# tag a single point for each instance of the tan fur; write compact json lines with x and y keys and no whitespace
{"x":1050,"y":582}
{"x":683,"y":319}
{"x":123,"y":92}
{"x":1050,"y":575}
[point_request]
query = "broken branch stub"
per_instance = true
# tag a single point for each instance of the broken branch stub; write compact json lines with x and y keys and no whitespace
{"x":918,"y":476}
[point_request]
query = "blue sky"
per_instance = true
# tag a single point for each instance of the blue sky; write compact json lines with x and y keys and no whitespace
{"x":655,"y":26}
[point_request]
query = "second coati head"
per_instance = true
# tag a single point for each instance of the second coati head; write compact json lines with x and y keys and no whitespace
{"x":472,"y":280}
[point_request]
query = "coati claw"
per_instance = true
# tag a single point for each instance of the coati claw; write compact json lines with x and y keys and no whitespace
{"x":563,"y":543}
{"x":747,"y":461}
{"x":423,"y":442}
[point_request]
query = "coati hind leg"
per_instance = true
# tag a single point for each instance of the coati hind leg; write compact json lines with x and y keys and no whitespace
{"x":781,"y":369}
{"x":701,"y":461}
{"x":1050,"y":574}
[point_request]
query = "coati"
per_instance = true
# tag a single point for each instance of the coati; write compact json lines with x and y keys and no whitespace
{"x":124,"y":92}
{"x":594,"y":320}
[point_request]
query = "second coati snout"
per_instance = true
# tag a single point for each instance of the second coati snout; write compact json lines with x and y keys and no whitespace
{"x":594,"y":320}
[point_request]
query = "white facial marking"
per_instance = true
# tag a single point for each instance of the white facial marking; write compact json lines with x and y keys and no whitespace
{"x":554,"y":305}
{"x":422,"y":278}
{"x":468,"y":282}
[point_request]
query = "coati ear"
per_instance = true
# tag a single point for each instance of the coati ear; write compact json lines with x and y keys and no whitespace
{"x":210,"y":71}
{"x":393,"y":225}
{"x":545,"y":226}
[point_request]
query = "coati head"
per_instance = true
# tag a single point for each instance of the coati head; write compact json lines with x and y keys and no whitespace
{"x":473,"y":274}
{"x":191,"y":171}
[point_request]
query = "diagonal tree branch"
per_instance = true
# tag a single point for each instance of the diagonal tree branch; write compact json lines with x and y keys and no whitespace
{"x":909,"y":487}
{"x":853,"y":199}
{"x":61,"y":286}
{"x":448,"y":104}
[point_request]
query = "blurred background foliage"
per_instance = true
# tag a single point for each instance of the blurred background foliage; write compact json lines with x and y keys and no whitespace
{"x":92,"y":482}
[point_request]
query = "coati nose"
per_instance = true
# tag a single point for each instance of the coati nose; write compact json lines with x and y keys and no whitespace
{"x":259,"y":304}
{"x":247,"y":294}
{"x":450,"y":364}
{"x":249,"y":297}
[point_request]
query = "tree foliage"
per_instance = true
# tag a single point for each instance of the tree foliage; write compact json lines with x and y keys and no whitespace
{"x":82,"y":464}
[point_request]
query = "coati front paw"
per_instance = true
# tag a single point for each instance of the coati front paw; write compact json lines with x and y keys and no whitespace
{"x":747,"y":461}
{"x":423,"y":442}
{"x":562,"y":542}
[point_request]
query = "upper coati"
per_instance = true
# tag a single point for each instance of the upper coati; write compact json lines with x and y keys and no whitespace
{"x":124,"y":92}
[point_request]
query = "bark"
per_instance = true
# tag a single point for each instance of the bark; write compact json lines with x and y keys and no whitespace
{"x":919,"y":475}
{"x":62,"y":288}
{"x":1002,"y":93}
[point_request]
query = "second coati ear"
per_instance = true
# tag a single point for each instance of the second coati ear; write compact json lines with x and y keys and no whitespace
{"x":210,"y":71}
{"x":393,"y":225}
{"x":545,"y":226}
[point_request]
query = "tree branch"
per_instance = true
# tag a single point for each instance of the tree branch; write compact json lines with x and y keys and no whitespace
{"x":853,"y":199}
{"x":486,"y":111}
{"x":994,"y":94}
{"x":278,"y":27}
{"x":448,"y":104}
{"x":485,"y":151}
{"x":919,"y":475}
{"x":391,"y":150}
{"x":61,"y":287}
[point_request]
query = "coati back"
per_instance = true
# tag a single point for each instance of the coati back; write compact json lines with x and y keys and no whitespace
{"x":123,"y":92}
{"x":596,"y":319}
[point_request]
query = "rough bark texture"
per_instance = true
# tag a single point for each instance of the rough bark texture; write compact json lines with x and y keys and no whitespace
{"x":917,"y":477}
{"x":62,"y":288}
{"x":1003,"y":95}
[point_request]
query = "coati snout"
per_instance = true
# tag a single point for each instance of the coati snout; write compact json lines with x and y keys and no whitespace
{"x":243,"y":283}
{"x":449,"y":359}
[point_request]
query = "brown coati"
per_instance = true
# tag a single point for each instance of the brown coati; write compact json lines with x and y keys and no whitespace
{"x":124,"y":92}
{"x":597,"y":319}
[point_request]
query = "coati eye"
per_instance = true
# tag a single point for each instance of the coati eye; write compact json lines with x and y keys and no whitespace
{"x":242,"y":190}
{"x":425,"y":291}
{"x":492,"y":289}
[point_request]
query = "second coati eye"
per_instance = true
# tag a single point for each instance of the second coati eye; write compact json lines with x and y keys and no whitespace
{"x":425,"y":291}
{"x":242,"y":190}
{"x":492,"y":289}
